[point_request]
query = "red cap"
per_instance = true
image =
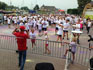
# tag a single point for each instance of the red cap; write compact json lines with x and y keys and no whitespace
{"x":22,"y":27}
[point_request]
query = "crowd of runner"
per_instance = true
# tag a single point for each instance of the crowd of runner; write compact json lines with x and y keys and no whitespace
{"x":42,"y":22}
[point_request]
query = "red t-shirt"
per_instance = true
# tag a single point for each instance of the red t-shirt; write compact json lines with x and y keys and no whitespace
{"x":21,"y":40}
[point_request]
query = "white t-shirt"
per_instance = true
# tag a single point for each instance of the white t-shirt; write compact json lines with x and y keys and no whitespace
{"x":45,"y":24}
{"x":57,"y":21}
{"x":21,"y":24}
{"x":25,"y":18}
{"x":60,"y":31}
{"x":73,"y":46}
{"x":46,"y":38}
{"x":20,"y":18}
{"x":39,"y":26}
{"x":66,"y":26}
{"x":8,"y":21}
{"x":30,"y":22}
{"x":5,"y":17}
{"x":77,"y":29}
{"x":84,"y":20}
{"x":26,"y":25}
{"x":32,"y":35}
{"x":89,"y":24}
{"x":34,"y":23}
{"x":15,"y":21}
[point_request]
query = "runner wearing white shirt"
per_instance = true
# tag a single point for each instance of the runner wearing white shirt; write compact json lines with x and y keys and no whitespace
{"x":33,"y":37}
{"x":30,"y":23}
{"x":15,"y":21}
{"x":27,"y":26}
{"x":78,"y":29}
{"x":34,"y":23}
{"x":66,"y":28}
{"x":5,"y":19}
{"x":57,"y":26}
{"x":40,"y":28}
{"x":21,"y":23}
{"x":88,"y":25}
{"x":60,"y":32}
{"x":9,"y":22}
{"x":45,"y":25}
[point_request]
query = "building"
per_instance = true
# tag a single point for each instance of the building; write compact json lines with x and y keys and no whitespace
{"x":48,"y":8}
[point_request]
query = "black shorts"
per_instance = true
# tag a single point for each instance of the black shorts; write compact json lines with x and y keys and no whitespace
{"x":65,"y":31}
{"x":56,"y":28}
{"x":72,"y":52}
{"x":40,"y":31}
{"x":44,"y":29}
{"x":60,"y":35}
{"x":54,"y":23}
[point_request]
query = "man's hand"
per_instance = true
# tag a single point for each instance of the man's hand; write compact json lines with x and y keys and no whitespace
{"x":14,"y":30}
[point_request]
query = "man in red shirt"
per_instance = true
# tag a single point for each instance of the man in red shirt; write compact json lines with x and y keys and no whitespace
{"x":21,"y":42}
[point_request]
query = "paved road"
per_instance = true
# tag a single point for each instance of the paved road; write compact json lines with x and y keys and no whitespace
{"x":9,"y":61}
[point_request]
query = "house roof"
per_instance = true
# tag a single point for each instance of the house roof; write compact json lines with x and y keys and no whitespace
{"x":50,"y":7}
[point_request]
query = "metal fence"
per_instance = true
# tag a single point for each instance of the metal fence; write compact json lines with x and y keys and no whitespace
{"x":82,"y":55}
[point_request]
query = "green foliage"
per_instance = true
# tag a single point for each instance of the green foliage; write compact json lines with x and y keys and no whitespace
{"x":36,"y":8}
{"x":12,"y":7}
{"x":81,"y":5}
{"x":41,"y":12}
{"x":73,"y":11}
{"x":3,"y":5}
{"x":25,"y":8}
{"x":89,"y":16}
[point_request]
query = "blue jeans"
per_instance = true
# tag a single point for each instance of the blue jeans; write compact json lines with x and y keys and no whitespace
{"x":22,"y":59}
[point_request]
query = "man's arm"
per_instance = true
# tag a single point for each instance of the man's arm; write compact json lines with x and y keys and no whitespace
{"x":27,"y":34}
{"x":14,"y":30}
{"x":60,"y":25}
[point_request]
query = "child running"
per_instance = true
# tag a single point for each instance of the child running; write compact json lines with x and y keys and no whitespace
{"x":46,"y":43}
{"x":33,"y":37}
{"x":73,"y":48}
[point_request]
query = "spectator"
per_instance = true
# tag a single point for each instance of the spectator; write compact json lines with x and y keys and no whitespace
{"x":22,"y":42}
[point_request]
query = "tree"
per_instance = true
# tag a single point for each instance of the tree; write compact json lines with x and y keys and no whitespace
{"x":25,"y":8}
{"x":36,"y":8}
{"x":73,"y":11}
{"x":81,"y":5}
{"x":12,"y":7}
{"x":3,"y":5}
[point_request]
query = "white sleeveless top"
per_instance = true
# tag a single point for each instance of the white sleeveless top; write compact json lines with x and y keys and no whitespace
{"x":32,"y":35}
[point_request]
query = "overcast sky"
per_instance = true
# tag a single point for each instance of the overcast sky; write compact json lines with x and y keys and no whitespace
{"x":62,"y":4}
